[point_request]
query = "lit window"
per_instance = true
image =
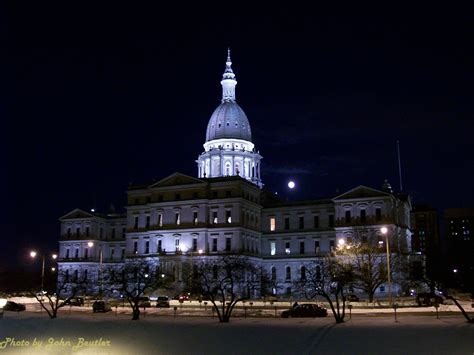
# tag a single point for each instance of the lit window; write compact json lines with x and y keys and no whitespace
{"x":272,"y":248}
{"x":272,"y":223}
{"x":214,"y":217}
{"x":287,"y":247}
{"x":160,"y":220}
{"x":228,"y":216}
{"x":177,"y":218}
{"x":195,"y":218}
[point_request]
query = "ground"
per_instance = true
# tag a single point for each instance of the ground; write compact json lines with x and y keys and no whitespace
{"x":363,"y":334}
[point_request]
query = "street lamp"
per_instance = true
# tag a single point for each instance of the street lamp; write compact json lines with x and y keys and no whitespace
{"x":90,"y":245}
{"x":384,"y":231}
{"x":33,"y":255}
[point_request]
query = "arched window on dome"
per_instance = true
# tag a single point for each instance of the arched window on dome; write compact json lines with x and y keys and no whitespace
{"x":237,"y":169}
{"x":227,"y":169}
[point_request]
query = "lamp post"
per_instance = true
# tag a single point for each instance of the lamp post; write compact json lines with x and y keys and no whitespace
{"x":33,"y":255}
{"x":384,"y":231}
{"x":90,"y":245}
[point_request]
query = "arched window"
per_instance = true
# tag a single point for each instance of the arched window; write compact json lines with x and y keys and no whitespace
{"x":318,"y":272}
{"x":274,"y":273}
{"x":237,"y":169}
{"x":85,"y":275}
{"x":303,"y":273}
{"x":227,"y":168}
{"x":288,"y":273}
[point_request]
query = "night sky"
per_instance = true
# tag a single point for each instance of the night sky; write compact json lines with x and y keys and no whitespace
{"x":96,"y":98}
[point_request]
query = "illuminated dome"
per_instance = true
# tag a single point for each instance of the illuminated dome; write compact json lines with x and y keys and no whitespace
{"x":228,"y":121}
{"x":229,"y":150}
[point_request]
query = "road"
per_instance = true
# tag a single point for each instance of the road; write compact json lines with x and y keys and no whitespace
{"x":111,"y":334}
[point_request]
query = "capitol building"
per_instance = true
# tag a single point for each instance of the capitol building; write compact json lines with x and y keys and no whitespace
{"x":226,"y":209}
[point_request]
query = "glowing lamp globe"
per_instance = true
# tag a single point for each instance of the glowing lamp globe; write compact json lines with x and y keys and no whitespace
{"x":291,"y":184}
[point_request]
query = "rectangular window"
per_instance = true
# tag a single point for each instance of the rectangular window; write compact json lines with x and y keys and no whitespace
{"x":195,"y":195}
{"x":76,"y":253}
{"x":112,"y":252}
{"x":316,"y":221}
{"x":287,"y":247}
{"x":101,"y":232}
{"x":228,"y":216}
{"x":176,"y":244}
{"x":272,"y":224}
{"x":147,"y":222}
{"x":147,"y":247}
{"x":214,"y":217}
{"x":86,"y":253}
{"x":160,"y":220}
{"x":378,"y":214}
{"x":228,"y":244}
{"x":135,"y":247}
{"x":124,"y":230}
{"x":316,"y":246}
{"x":159,"y":248}
{"x":363,"y":216}
{"x":301,"y":247}
{"x":177,"y":196}
{"x":123,"y":254}
{"x":287,"y":223}
{"x":87,"y":231}
{"x":177,"y":218}
{"x":331,"y":220}
{"x":69,"y":232}
{"x":67,"y":253}
{"x":272,"y":248}
{"x":195,"y":244}
{"x":113,"y":233}
{"x":214,"y":244}
{"x":214,"y":194}
{"x":195,"y":218}
{"x":78,"y":231}
{"x":301,"y":222}
{"x":331,"y":245}
{"x":228,"y":194}
{"x":135,"y":225}
{"x":348,"y":217}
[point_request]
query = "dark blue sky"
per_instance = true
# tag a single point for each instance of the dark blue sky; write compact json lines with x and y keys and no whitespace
{"x":96,"y":98}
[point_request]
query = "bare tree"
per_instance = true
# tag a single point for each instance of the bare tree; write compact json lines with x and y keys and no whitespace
{"x":227,"y":279}
{"x":133,"y":280}
{"x":368,"y":258}
{"x":61,"y":293}
{"x":328,"y":278}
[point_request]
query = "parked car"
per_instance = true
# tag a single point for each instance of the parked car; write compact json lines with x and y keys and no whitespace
{"x":75,"y":301}
{"x":183,"y":297}
{"x":305,"y":310}
{"x":352,"y":298}
{"x":162,"y":302}
{"x":144,"y":301}
{"x":101,"y":306}
{"x":14,"y":307}
{"x":428,"y":299}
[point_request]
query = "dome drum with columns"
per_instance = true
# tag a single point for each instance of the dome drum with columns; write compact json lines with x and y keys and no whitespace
{"x":229,"y":149}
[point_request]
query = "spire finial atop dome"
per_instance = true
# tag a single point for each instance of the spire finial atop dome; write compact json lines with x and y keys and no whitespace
{"x":228,"y":80}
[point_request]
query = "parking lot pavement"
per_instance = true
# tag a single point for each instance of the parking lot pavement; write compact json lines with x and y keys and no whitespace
{"x":117,"y":334}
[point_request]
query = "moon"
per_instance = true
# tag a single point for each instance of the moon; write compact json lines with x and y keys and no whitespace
{"x":291,"y":184}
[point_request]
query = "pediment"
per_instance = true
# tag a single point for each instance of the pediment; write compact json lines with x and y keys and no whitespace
{"x":77,"y":214}
{"x":177,"y":179}
{"x":361,"y":191}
